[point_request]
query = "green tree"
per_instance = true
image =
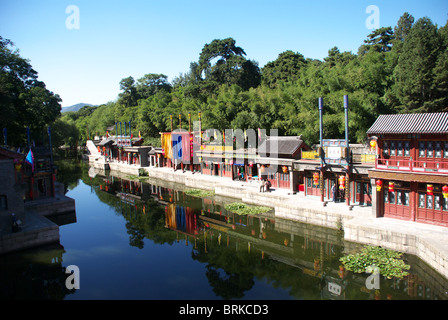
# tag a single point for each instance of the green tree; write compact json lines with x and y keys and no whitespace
{"x":230,"y":66}
{"x":403,"y":27}
{"x":286,"y":67}
{"x":414,"y":73}
{"x":380,"y":40}
{"x":150,"y":84}
{"x":129,"y":96}
{"x":25,"y":101}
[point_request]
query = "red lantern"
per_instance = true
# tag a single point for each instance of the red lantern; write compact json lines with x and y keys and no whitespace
{"x":391,"y":187}
{"x":342,"y":182}
{"x":285,"y":169}
{"x":430,"y":190}
{"x":379,"y":184}
{"x":316,"y":178}
{"x":445,"y":192}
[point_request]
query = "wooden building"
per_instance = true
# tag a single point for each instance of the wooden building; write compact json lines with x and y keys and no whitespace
{"x":276,"y":156}
{"x":411,"y":170}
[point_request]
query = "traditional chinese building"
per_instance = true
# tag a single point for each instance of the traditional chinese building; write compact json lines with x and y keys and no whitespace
{"x":411,"y":170}
{"x":280,"y":153}
{"x":12,"y":188}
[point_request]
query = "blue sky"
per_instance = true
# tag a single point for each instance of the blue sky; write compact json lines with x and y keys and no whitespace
{"x":117,"y":39}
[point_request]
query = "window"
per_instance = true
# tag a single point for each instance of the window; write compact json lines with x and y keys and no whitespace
{"x":429,"y":202}
{"x":421,"y":200}
{"x":445,"y":150}
{"x":421,"y":149}
{"x":430,"y":150}
{"x":406,"y":198}
{"x":399,"y":197}
{"x":386,"y":195}
{"x":3,"y":203}
{"x":386,"y":148}
{"x":367,"y":188}
{"x":437,"y":201}
{"x":400,"y":148}
{"x":392,"y":197}
{"x":438,"y":149}
{"x":407,"y":149}
{"x":392,"y":148}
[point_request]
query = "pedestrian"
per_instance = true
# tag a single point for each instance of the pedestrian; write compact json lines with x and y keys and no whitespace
{"x":262,"y":184}
{"x":334,"y":190}
{"x":268,"y":185}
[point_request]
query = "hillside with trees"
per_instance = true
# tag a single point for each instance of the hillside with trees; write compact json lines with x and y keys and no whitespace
{"x":401,"y":69}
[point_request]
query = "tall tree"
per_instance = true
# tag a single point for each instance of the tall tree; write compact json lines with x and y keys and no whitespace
{"x":230,"y":66}
{"x":403,"y":27}
{"x":286,"y":67}
{"x":380,"y":40}
{"x":25,"y":101}
{"x":129,"y":96}
{"x":414,"y":73}
{"x":150,"y":84}
{"x":440,"y":71}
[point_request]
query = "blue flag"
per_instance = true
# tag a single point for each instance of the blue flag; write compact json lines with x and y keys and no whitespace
{"x":30,"y":159}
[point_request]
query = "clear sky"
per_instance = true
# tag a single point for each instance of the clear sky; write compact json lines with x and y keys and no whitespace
{"x":118,"y":39}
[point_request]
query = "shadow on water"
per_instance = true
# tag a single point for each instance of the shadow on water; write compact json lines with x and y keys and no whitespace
{"x":241,"y":257}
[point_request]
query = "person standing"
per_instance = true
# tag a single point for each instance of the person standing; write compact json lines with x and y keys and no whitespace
{"x":262,"y":184}
{"x":334,"y":190}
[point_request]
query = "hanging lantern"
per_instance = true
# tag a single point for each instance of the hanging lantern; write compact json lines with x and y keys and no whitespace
{"x":316,"y":178}
{"x":341,"y":182}
{"x":391,"y":187}
{"x":372,"y":145}
{"x":445,"y":192}
{"x":285,"y":169}
{"x":430,"y":190}
{"x":379,"y":184}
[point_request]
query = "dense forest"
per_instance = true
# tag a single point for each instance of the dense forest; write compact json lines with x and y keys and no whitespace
{"x":401,"y":69}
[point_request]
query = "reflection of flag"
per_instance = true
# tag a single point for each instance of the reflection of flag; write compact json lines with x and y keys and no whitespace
{"x":30,"y":159}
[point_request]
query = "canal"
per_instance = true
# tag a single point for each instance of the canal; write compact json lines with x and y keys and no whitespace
{"x":143,"y":239}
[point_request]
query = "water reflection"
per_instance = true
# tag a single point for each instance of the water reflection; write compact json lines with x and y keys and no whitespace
{"x":243,"y":257}
{"x":239,"y":250}
{"x":34,"y":274}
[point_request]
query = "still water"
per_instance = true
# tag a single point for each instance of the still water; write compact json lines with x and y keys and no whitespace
{"x":147,"y":239}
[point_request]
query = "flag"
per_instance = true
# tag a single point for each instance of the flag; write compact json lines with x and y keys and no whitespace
{"x":30,"y":159}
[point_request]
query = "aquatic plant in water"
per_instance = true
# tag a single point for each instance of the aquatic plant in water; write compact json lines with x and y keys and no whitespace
{"x":389,"y":262}
{"x":200,"y":193}
{"x":243,"y":209}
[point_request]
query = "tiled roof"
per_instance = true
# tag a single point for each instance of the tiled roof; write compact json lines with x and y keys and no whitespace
{"x":432,"y":123}
{"x":285,"y":145}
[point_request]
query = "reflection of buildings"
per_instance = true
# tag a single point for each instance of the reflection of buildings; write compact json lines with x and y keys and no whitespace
{"x":23,"y":278}
{"x":281,"y":251}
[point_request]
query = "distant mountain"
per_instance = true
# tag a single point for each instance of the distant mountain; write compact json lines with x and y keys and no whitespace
{"x":76,"y":107}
